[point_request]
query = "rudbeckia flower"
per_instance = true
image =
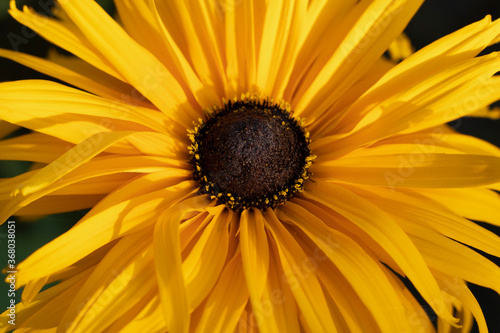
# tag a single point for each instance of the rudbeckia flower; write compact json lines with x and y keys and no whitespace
{"x":253,"y":165}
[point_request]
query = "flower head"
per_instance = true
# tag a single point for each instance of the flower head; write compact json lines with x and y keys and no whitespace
{"x":253,"y":165}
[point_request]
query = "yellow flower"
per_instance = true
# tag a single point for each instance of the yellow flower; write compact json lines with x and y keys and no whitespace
{"x":172,"y":109}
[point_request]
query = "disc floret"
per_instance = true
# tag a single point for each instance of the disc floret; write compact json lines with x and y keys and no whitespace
{"x":251,"y":152}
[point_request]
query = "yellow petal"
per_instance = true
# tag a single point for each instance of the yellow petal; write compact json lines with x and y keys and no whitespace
{"x":205,"y":261}
{"x":168,"y":263}
{"x":44,"y":99}
{"x":383,"y":230}
{"x":459,"y":46}
{"x":457,"y":288}
{"x":159,"y":144}
{"x":149,"y":319}
{"x":90,"y":186}
{"x":450,"y":257}
{"x":96,"y":185}
{"x":255,"y":257}
{"x":278,"y":307}
{"x":83,"y":265}
{"x":435,"y":216}
{"x":60,"y":167}
{"x":32,"y":289}
{"x":327,"y":123}
{"x":474,"y":203}
{"x":235,"y":47}
{"x":48,"y":311}
{"x":280,"y":25}
{"x":99,"y":227}
{"x":65,"y":35}
{"x":35,"y":147}
{"x":153,"y":81}
{"x":107,"y":165}
{"x":336,"y":244}
{"x":91,"y":80}
{"x":356,"y":53}
{"x":445,"y":96}
{"x":487,"y":112}
{"x":396,"y":148}
{"x":190,"y":24}
{"x":428,"y":141}
{"x":223,"y":316}
{"x":138,"y":20}
{"x":180,"y":67}
{"x":353,"y":314}
{"x":413,"y":170}
{"x":55,"y":204}
{"x":303,"y":283}
{"x":114,"y":286}
{"x":320,"y":23}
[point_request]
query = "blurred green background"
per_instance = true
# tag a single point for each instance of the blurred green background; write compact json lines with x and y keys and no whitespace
{"x":436,"y":18}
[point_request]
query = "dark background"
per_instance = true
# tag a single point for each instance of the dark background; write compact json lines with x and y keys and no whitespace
{"x":435,"y":19}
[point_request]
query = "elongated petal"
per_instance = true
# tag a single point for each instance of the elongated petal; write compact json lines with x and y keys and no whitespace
{"x":458,"y":46}
{"x":356,"y":53}
{"x":428,"y":141}
{"x":223,"y":316}
{"x":149,"y":319}
{"x":353,"y":315}
{"x":354,"y":270}
{"x":54,"y":204}
{"x":60,"y":167}
{"x":255,"y":257}
{"x":192,"y":26}
{"x":25,"y":310}
{"x":429,"y":103}
{"x":384,"y":231}
{"x":96,"y":185}
{"x":204,"y":264}
{"x":278,"y":307}
{"x":459,"y":289}
{"x":280,"y":26}
{"x":320,"y":22}
{"x":237,"y":45}
{"x":303,"y":284}
{"x":44,"y":99}
{"x":436,"y":217}
{"x":99,"y":167}
{"x":35,"y":147}
{"x":153,"y":81}
{"x":453,"y":258}
{"x":95,"y":81}
{"x":414,"y":170}
{"x":108,"y":293}
{"x":478,"y":204}
{"x":65,"y":35}
{"x":138,"y":20}
{"x":48,"y":316}
{"x":32,"y":289}
{"x":131,"y":215}
{"x":171,"y":281}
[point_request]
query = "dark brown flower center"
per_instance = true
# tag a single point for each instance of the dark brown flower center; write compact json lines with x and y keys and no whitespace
{"x":250,"y":153}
